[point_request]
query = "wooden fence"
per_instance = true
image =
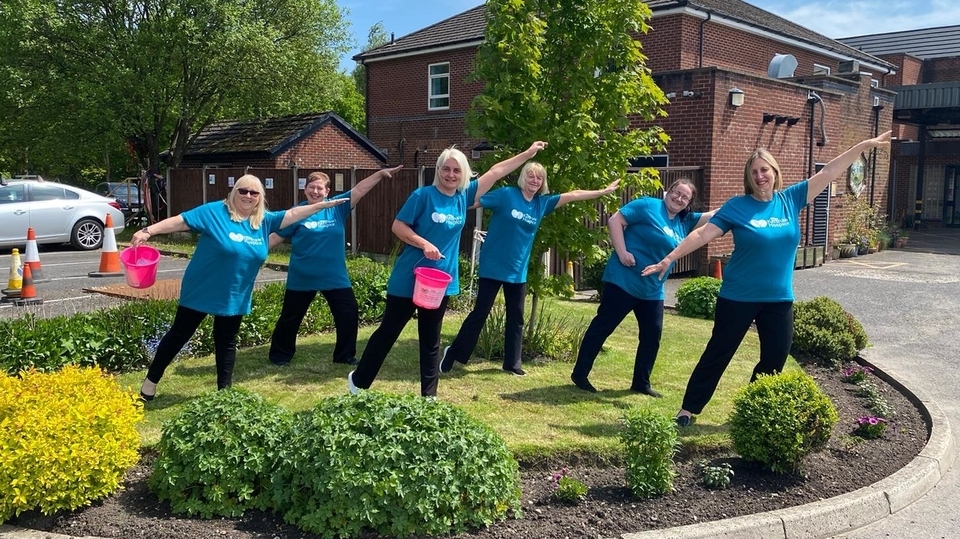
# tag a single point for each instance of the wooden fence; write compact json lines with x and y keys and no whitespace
{"x":368,"y":228}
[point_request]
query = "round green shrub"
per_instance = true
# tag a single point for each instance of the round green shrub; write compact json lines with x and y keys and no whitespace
{"x":397,"y":465}
{"x":650,"y":441}
{"x":697,"y":297}
{"x":823,"y":332}
{"x":779,"y":419}
{"x":217,"y":456}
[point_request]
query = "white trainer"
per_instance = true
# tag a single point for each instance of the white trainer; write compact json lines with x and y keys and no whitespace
{"x":350,"y":386}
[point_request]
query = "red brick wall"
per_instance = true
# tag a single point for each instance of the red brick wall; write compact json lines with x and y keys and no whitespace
{"x":328,"y":147}
{"x":941,"y":69}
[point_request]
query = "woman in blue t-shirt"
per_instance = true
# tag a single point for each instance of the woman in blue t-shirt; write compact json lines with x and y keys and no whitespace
{"x":318,"y":263}
{"x":758,"y":280}
{"x":430,"y":223}
{"x":221,"y":273}
{"x":641,"y":232}
{"x":517,"y":214}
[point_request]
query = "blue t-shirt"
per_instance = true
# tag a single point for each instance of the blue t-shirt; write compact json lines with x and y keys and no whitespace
{"x":219,"y":278}
{"x":318,"y":257}
{"x":510,"y":235}
{"x":649,"y":236}
{"x":765,"y":239}
{"x":439,"y":219}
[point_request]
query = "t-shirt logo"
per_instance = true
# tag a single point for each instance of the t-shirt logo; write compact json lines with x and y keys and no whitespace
{"x":326,"y":223}
{"x":519,"y":215}
{"x":236,"y":236}
{"x":240,"y":238}
{"x":774,"y":222}
{"x":671,"y":233}
{"x":438,"y":217}
{"x":446,"y":218}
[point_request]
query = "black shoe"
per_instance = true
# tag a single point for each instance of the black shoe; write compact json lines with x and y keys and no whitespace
{"x":281,"y":363}
{"x":348,"y":361}
{"x":583,"y":384}
{"x":647,"y":391}
{"x":146,"y":398}
{"x":516,"y":372}
{"x":446,"y":361}
{"x":684,"y":420}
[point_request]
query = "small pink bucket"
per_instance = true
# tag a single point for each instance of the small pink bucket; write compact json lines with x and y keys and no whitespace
{"x":140,"y":264}
{"x":430,"y":287}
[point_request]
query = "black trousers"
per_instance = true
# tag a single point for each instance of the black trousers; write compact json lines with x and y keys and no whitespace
{"x":185,"y":324}
{"x":397,"y":313}
{"x":346,"y":318}
{"x":615,"y":304}
{"x":466,"y":340}
{"x":731,"y":321}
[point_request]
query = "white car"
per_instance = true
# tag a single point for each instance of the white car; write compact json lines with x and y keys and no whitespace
{"x":57,"y":213}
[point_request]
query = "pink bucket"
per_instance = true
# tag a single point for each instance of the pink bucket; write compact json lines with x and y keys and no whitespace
{"x":141,"y":265}
{"x":430,"y":287}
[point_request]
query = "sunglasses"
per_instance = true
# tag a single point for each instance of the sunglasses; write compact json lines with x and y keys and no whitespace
{"x":252,"y":192}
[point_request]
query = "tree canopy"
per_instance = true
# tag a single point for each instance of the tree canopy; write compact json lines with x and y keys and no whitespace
{"x":572,"y":74}
{"x":84,"y":76}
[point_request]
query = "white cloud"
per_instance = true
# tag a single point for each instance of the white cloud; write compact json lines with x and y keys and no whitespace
{"x":838,"y":18}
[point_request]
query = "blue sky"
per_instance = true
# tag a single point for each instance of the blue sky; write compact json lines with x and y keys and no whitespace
{"x":832,"y":18}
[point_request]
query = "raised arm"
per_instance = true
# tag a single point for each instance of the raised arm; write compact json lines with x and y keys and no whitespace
{"x":704,"y":219}
{"x":274,"y":240}
{"x":168,"y":225}
{"x":369,"y":183}
{"x":695,"y":240}
{"x":818,"y":182}
{"x":503,"y":168}
{"x":616,"y":225}
{"x":580,"y":194}
{"x":299,"y":213}
{"x":407,"y":235}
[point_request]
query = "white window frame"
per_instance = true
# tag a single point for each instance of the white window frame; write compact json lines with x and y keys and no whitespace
{"x":431,"y":97}
{"x":819,"y":69}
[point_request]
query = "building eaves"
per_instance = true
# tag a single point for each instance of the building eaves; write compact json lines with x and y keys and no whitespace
{"x":467,"y":27}
{"x":924,"y":43}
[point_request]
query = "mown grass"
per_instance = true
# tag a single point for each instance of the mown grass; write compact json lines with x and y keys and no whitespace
{"x":541,"y":415}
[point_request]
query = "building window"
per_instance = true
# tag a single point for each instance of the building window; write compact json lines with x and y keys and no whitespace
{"x":439,"y":90}
{"x":821,"y":69}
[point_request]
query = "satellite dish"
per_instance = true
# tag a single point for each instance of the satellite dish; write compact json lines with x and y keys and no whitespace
{"x":782,"y":66}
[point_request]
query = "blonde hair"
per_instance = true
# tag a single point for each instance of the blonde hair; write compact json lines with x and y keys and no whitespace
{"x":537,"y":169}
{"x":247,"y":181}
{"x":761,"y":153}
{"x":466,"y":173}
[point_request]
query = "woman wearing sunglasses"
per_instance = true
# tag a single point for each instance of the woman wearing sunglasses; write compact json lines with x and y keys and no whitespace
{"x":219,"y":279}
{"x":642,"y":232}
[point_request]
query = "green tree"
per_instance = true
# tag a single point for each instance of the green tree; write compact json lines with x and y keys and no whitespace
{"x":572,"y":74}
{"x":376,"y":37}
{"x":152,"y":73}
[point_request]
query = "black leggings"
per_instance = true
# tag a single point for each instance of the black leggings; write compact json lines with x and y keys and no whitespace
{"x":466,"y":340}
{"x":731,"y":322}
{"x":346,"y":318}
{"x":185,"y":324}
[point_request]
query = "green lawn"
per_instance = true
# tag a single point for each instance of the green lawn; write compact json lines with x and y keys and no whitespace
{"x":539,"y":414}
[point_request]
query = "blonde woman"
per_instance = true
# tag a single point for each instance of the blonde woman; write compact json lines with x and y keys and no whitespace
{"x":219,"y":279}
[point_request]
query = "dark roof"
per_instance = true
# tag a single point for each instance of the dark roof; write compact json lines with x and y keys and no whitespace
{"x":269,"y":136}
{"x":925,"y":43}
{"x":469,"y":27}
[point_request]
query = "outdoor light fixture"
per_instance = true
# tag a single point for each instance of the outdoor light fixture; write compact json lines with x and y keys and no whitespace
{"x":736,"y":97}
{"x":768,"y":117}
{"x":792,"y":120}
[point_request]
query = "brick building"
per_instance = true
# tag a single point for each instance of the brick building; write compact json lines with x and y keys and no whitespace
{"x":738,"y":77}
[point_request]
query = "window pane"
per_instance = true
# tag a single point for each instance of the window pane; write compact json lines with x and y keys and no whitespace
{"x":46,"y":192}
{"x":439,"y":102}
{"x":440,"y":69}
{"x":11,"y":194}
{"x":440,"y":86}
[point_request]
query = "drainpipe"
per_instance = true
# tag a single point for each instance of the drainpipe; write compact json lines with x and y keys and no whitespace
{"x":703,"y":22}
{"x":873,"y":156}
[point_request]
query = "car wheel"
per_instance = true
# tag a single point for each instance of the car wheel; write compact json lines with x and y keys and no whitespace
{"x":87,"y":234}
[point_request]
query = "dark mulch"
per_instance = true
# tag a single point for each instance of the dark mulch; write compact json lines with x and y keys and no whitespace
{"x":609,"y":510}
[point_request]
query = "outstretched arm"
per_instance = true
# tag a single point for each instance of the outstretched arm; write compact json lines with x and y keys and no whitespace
{"x":369,"y":183}
{"x":818,"y":182}
{"x":695,"y":240}
{"x":168,"y":225}
{"x":274,"y":240}
{"x":503,"y":168}
{"x":579,"y":194}
{"x":299,"y":213}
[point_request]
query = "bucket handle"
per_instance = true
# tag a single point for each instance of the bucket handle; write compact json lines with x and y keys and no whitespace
{"x":417,"y":265}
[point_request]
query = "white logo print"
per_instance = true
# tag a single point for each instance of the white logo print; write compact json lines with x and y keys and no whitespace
{"x":438,"y":217}
{"x":758,"y":223}
{"x":310,"y":225}
{"x":525,"y":217}
{"x":671,"y":233}
{"x":326,"y":223}
{"x":516,"y":214}
{"x":236,"y":236}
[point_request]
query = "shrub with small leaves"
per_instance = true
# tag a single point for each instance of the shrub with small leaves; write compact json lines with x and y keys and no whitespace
{"x":697,"y":297}
{"x":714,"y":476}
{"x":825,"y":333}
{"x":66,"y":439}
{"x":397,"y":465}
{"x":779,"y":419}
{"x":217,"y":456}
{"x":650,"y":440}
{"x":568,"y":489}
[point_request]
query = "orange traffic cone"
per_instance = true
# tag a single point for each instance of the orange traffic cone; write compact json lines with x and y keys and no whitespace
{"x":717,"y":272}
{"x":32,"y":256}
{"x":109,"y":256}
{"x":15,"y":282}
{"x":28,"y":294}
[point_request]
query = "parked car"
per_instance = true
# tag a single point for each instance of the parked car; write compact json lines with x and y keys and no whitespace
{"x":57,"y":213}
{"x":127,"y":193}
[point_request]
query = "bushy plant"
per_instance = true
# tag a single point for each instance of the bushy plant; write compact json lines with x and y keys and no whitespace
{"x":825,"y":333}
{"x":593,"y":268}
{"x":697,"y":297}
{"x":650,"y":441}
{"x":716,"y":476}
{"x":217,"y":456}
{"x":66,"y":439}
{"x":779,"y":419}
{"x":870,"y":427}
{"x":855,"y":374}
{"x":553,"y":335}
{"x":369,"y":279}
{"x":568,"y":489}
{"x":398,"y":465}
